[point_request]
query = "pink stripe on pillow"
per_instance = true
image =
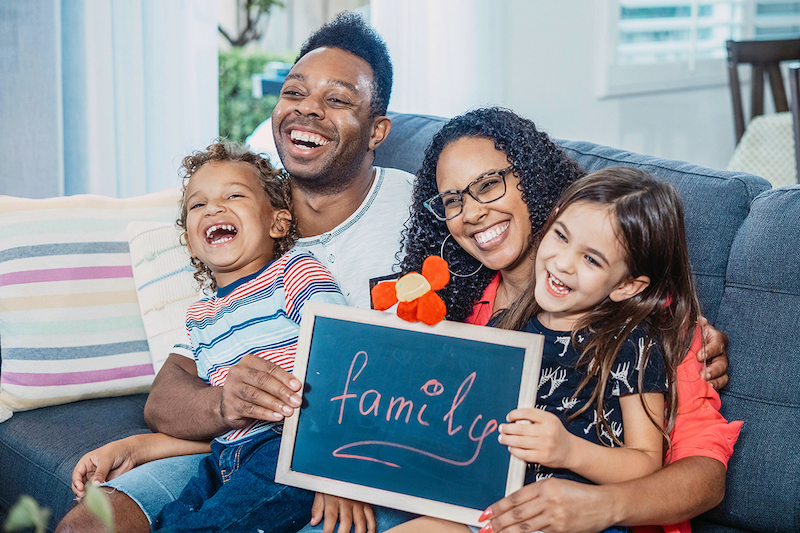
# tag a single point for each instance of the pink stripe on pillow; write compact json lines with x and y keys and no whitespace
{"x":65,"y":274}
{"x":28,"y":379}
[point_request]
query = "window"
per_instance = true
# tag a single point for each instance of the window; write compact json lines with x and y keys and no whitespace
{"x":666,"y":45}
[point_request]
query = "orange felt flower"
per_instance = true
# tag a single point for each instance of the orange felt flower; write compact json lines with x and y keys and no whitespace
{"x":415,"y":292}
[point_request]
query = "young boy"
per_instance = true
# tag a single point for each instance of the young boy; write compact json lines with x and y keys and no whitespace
{"x":238,"y":227}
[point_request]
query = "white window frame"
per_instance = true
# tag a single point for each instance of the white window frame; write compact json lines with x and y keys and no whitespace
{"x":620,"y":80}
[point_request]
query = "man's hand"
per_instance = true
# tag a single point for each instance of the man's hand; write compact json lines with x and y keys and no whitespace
{"x":184,"y":406}
{"x":713,"y":353}
{"x":347,"y":512}
{"x":258,"y":389}
{"x":552,"y":505}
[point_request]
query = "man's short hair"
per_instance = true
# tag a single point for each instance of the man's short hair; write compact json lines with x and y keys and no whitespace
{"x":349,"y":32}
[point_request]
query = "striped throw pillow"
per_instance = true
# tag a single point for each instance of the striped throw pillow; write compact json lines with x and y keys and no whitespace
{"x":70,"y":326}
{"x":165,"y":284}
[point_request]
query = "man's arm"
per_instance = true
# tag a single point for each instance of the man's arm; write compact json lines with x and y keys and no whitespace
{"x":182,"y":405}
{"x":671,"y":495}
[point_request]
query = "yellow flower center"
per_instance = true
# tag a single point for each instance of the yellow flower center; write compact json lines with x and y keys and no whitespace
{"x":411,"y":286}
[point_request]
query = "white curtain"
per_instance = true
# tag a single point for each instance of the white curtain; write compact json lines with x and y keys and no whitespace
{"x":104,"y":96}
{"x":448,"y":55}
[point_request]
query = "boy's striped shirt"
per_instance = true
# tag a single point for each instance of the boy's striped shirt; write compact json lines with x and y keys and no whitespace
{"x":258,"y":314}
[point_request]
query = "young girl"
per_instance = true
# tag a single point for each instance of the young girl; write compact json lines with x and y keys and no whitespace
{"x":612,"y":294}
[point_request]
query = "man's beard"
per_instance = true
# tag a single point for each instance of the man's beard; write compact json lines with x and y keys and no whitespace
{"x":334,"y":180}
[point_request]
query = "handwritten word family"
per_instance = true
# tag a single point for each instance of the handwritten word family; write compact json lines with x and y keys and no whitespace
{"x":371,"y":403}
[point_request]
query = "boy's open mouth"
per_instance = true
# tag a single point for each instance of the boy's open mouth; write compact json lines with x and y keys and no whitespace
{"x":307,"y":139}
{"x":220,"y":233}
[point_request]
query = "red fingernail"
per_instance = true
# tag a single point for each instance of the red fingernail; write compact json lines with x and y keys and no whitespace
{"x":486,"y":529}
{"x":487,"y":514}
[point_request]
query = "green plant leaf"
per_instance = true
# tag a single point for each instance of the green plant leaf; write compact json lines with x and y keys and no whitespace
{"x":27,"y":513}
{"x":98,"y":503}
{"x":239,"y":112}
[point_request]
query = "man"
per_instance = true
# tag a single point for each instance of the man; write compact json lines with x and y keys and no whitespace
{"x":329,"y":119}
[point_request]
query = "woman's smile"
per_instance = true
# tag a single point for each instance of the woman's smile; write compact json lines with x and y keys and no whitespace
{"x":496,"y":233}
{"x":491,"y":234}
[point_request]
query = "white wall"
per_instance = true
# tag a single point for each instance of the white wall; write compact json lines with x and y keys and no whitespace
{"x":541,"y":59}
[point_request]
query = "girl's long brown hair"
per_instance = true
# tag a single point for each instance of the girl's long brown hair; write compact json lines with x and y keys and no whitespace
{"x":649,"y":221}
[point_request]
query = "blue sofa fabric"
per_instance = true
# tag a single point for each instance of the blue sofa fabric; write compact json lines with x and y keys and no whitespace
{"x":760,"y":312}
{"x":747,"y":266}
{"x":39,"y":448}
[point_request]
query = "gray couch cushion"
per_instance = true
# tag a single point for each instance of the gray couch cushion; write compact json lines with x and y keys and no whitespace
{"x":39,"y":448}
{"x":760,"y":312}
{"x":405,"y":146}
{"x":715,"y":202}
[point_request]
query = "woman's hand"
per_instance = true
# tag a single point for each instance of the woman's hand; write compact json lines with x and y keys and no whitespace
{"x":103,"y":464}
{"x":552,"y":505}
{"x":536,"y":436}
{"x":713,"y":353}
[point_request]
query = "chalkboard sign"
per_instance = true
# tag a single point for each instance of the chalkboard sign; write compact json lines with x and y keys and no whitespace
{"x":405,"y":415}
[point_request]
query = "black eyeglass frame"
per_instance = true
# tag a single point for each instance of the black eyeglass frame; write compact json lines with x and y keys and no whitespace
{"x":427,"y":203}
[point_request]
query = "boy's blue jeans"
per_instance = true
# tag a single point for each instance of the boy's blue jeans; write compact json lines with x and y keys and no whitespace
{"x":235,"y":490}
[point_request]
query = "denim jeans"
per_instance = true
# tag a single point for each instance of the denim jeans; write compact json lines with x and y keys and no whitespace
{"x":155,"y":484}
{"x":234,"y":490}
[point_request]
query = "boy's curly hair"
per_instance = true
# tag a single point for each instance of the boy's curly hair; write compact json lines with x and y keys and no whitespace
{"x":544,"y":172}
{"x":274,"y":182}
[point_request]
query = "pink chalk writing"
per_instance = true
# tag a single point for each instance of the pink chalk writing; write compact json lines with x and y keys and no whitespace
{"x":369,"y":403}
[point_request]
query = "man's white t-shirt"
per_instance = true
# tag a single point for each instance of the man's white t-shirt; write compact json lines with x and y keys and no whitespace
{"x":365,"y":246}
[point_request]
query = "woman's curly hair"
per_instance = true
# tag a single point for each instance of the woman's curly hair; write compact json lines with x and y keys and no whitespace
{"x":274,"y":182}
{"x":544,"y":171}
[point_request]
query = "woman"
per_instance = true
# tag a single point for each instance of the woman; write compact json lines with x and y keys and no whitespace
{"x":467,"y":147}
{"x":486,"y":186}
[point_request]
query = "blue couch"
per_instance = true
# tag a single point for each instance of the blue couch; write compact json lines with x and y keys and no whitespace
{"x":745,"y":247}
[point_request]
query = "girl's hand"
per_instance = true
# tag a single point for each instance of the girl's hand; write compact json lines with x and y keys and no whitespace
{"x":103,"y":464}
{"x":536,"y":436}
{"x":334,"y":509}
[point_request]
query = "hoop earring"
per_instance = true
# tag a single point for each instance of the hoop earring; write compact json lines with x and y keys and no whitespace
{"x":441,"y":254}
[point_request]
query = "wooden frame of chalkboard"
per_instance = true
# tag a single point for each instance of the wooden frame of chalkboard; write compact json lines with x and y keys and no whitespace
{"x":405,"y":415}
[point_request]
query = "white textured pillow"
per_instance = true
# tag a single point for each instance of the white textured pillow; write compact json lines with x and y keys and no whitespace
{"x":165,"y":284}
{"x":70,"y":326}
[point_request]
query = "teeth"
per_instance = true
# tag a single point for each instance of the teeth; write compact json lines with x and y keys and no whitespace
{"x":557,"y":285}
{"x":226,"y":227}
{"x":487,"y":236}
{"x":306,"y":137}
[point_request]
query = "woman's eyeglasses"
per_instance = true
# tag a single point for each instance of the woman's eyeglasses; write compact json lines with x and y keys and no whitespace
{"x":484,"y":189}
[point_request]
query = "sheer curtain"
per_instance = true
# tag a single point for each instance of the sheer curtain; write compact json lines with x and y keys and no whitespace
{"x":104,"y":96}
{"x":448,"y":55}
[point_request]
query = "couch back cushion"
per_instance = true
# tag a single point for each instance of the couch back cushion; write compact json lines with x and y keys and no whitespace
{"x":70,"y":324}
{"x":715,"y":203}
{"x":760,"y":312}
{"x":405,"y":146}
